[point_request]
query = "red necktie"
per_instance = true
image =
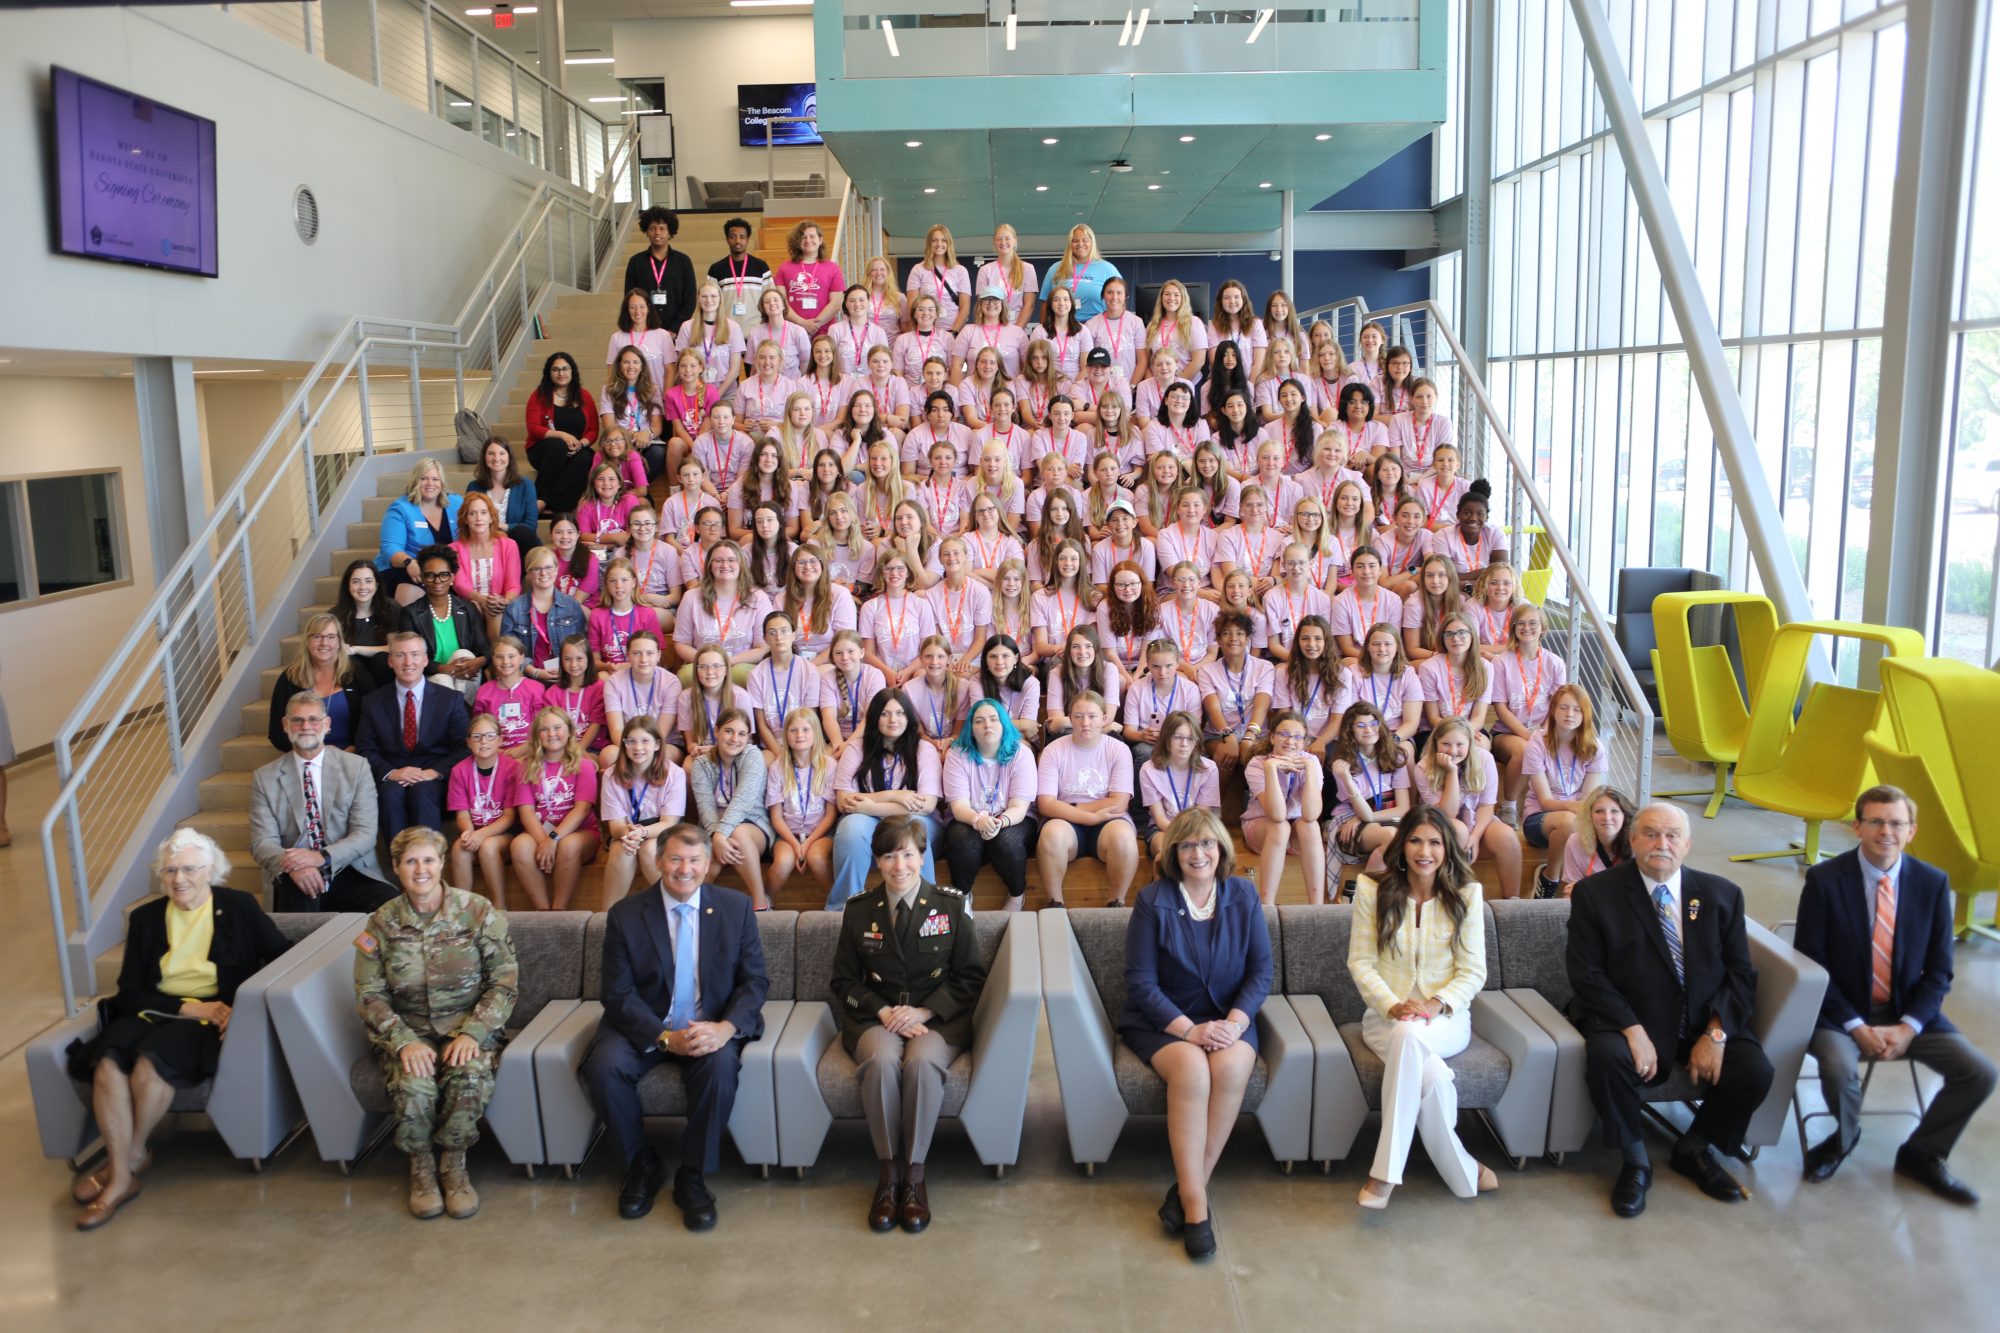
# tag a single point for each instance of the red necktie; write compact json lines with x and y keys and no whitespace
{"x":1885,"y":938}
{"x":410,"y":720}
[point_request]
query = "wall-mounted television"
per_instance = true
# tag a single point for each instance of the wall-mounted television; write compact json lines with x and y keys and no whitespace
{"x":756,"y":102}
{"x":134,"y":178}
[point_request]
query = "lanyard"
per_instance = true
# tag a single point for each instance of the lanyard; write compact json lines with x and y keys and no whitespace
{"x":1367,"y":618}
{"x":1398,"y":562}
{"x":652,"y":690}
{"x":785,"y":695}
{"x":620,"y":636}
{"x":725,"y":782}
{"x":1068,"y":616}
{"x":1420,"y":437}
{"x":1257,"y":561}
{"x":659,"y":267}
{"x":944,"y":500}
{"x":988,"y":796}
{"x":637,"y":798}
{"x":1237,"y":684}
{"x":1181,"y":797}
{"x":1377,"y":783}
{"x":1186,"y":640}
{"x":1438,"y":497}
{"x":1531,"y":692}
{"x":482,"y":801}
{"x":937,"y":714}
{"x":1173,"y":697}
{"x":1379,"y":694}
{"x":1312,"y":698}
{"x":1567,"y":779}
{"x":1112,"y":339}
{"x":895,"y":622}
{"x":954,"y":618}
{"x":987,"y":558}
{"x":853,"y":693}
{"x":726,"y":622}
{"x":803,"y":788}
{"x":574,"y":707}
{"x":826,"y":390}
{"x":1452,"y":680}
{"x":736,"y":278}
{"x":1500,"y":636}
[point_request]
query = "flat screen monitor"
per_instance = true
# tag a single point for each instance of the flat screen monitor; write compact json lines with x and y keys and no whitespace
{"x":134,"y":178}
{"x":757,"y":102}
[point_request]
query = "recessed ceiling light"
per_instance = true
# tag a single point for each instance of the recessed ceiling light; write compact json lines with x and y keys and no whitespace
{"x":1263,"y":185}
{"x":1011,"y":38}
{"x":1152,"y":187}
{"x":913,"y":143}
{"x":1166,"y":173}
{"x":1322,"y":138}
{"x":1187,"y":138}
{"x":1046,"y":141}
{"x":607,"y":99}
{"x":477,"y":13}
{"x":930,"y":189}
{"x":1041,"y":189}
{"x":587,"y":60}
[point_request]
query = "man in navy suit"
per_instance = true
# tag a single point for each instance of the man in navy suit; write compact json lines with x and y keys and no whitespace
{"x":412,"y":732}
{"x":1660,"y":963}
{"x":683,"y":981}
{"x":1879,"y":921}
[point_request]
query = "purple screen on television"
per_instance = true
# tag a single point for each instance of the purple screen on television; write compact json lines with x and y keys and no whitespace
{"x":135,"y":180}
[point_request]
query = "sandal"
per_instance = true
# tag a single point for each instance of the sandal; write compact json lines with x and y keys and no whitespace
{"x":91,"y":1183}
{"x":97,"y":1212}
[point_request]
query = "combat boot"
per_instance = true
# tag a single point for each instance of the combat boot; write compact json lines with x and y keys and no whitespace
{"x":460,"y":1199}
{"x":425,"y":1201}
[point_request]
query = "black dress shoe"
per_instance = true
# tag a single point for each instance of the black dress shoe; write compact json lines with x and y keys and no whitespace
{"x":643,"y":1179}
{"x":1199,"y":1239}
{"x":1706,"y":1170}
{"x":1824,"y":1158}
{"x":691,"y":1196}
{"x":1172,"y":1216}
{"x":882,"y":1212}
{"x":1628,"y":1196}
{"x":1935,"y":1176}
{"x":915,"y":1213}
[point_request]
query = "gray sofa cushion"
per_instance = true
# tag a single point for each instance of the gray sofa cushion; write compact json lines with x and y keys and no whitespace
{"x":1480,"y":1069}
{"x":819,"y":933}
{"x":1100,"y":935}
{"x":295,"y":926}
{"x":593,"y":956}
{"x":1316,"y":943}
{"x":1534,"y":942}
{"x":549,"y":946}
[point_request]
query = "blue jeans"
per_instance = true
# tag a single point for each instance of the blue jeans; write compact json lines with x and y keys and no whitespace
{"x":854,"y":857}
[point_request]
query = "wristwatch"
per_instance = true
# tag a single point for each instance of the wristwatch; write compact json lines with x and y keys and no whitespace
{"x":1717,"y":1036}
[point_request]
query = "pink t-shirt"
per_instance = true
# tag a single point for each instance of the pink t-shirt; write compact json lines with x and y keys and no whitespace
{"x":694,"y":698}
{"x":1470,"y":799}
{"x":554,"y":794}
{"x":484,"y":796}
{"x":1128,"y":650}
{"x":1417,"y":443}
{"x":1146,"y":706}
{"x":659,"y":698}
{"x":1401,"y":556}
{"x":1058,"y":613}
{"x":1024,"y":704}
{"x":776,"y":694}
{"x":1284,"y":496}
{"x":1122,"y":338}
{"x":1058,"y":703}
{"x":1355,"y":616}
{"x":911,"y":349}
{"x":594,"y":516}
{"x":1284,"y":609}
{"x":1579,"y":864}
{"x":1255,"y":778}
{"x":716,"y":345}
{"x":1566,"y":775}
{"x":1390,"y":694}
{"x":725,"y":460}
{"x":1318,"y":705}
{"x":585,"y":708}
{"x":992,"y":552}
{"x":938,"y":719}
{"x":1175,"y":791}
{"x":758,"y":401}
{"x":850,"y":565}
{"x":611,"y":630}
{"x":736,"y":624}
{"x":1525,"y":687}
{"x":850,"y":705}
{"x":801,"y":811}
{"x":1104,"y":556}
{"x":1236,"y":691}
{"x":514,"y":709}
{"x":1440,"y":501}
{"x":899,"y":628}
{"x":1446,"y":688}
{"x":811,"y":290}
{"x":1192,"y":631}
{"x":644,"y":802}
{"x":1175,"y":547}
{"x":816,"y":635}
{"x":1493,"y":626}
{"x":1071,"y":773}
{"x":989,"y":787}
{"x":1073,"y":444}
{"x":851,"y":344}
{"x":960,"y":614}
{"x":1008,"y":340}
{"x":1256,"y":553}
{"x":929,"y":778}
{"x":917,"y":445}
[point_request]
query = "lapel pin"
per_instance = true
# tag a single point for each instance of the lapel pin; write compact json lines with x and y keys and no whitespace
{"x":1694,"y":908}
{"x":711,"y":911}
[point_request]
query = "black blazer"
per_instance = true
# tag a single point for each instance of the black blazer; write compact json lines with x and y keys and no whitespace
{"x":934,"y":961}
{"x":1837,"y":930}
{"x":356,"y":689}
{"x":245,"y":941}
{"x":639,"y":965}
{"x":441,"y":727}
{"x":1622,"y":973}
{"x":470,"y":624}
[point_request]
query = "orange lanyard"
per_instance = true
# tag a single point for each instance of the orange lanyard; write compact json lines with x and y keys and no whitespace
{"x":722,"y":629}
{"x":1185,"y":637}
{"x":954,"y":618}
{"x":1532,"y":691}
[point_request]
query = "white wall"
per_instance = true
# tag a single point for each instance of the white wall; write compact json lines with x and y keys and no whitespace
{"x":702,"y":61}
{"x":50,"y":652}
{"x":411,"y":209}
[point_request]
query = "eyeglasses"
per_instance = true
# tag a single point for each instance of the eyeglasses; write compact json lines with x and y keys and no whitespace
{"x":1288,"y":735}
{"x":1457,"y":634}
{"x":435,"y":576}
{"x":1199,"y":845}
{"x":482,"y":735}
{"x":1370,"y":722}
{"x":1892,"y":825}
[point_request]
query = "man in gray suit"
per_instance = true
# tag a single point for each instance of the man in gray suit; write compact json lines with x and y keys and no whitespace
{"x":312,"y":821}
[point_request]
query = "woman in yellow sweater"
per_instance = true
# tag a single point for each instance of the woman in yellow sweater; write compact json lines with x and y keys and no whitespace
{"x":1418,"y":954}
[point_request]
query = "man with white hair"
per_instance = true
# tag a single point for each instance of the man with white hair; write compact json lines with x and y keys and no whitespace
{"x":1660,"y":963}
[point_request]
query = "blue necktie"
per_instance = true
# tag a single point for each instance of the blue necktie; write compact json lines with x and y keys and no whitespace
{"x":1664,"y":902}
{"x":682,"y":1011}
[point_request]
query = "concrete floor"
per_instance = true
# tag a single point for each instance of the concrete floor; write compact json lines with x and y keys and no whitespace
{"x":300,"y":1247}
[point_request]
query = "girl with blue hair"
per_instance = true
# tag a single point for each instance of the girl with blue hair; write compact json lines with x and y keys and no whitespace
{"x":990,"y":784}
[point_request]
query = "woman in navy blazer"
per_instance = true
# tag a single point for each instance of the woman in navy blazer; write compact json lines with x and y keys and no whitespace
{"x":1197,"y":969}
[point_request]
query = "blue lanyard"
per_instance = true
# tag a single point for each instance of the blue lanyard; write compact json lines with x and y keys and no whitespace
{"x":1377,"y":781}
{"x":1380,"y":696}
{"x":1237,"y":684}
{"x":1567,"y":778}
{"x":1173,"y":696}
{"x":1312,"y":698}
{"x":638,"y":798}
{"x":854,"y":703}
{"x":725,"y":781}
{"x":711,"y":711}
{"x":1182,"y":799}
{"x":784,"y":698}
{"x":988,"y":796}
{"x":804,"y":787}
{"x":652,"y":690}
{"x":937,"y":714}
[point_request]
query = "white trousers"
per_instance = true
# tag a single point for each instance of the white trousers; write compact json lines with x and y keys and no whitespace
{"x":1420,"y":1096}
{"x":468,"y":688}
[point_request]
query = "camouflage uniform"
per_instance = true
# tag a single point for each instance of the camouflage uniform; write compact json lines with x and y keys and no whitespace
{"x":418,"y":980}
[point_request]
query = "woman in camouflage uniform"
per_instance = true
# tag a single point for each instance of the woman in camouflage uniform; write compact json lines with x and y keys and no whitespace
{"x":435,"y":980}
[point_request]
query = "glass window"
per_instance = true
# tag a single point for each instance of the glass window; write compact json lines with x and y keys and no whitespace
{"x":1972,"y":515}
{"x":11,"y":589}
{"x":74,"y":524}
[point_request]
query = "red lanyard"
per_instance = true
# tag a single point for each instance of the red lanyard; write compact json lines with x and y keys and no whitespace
{"x":1069,"y":616}
{"x":1257,"y":561}
{"x":1421,"y":438}
{"x":1437,"y":501}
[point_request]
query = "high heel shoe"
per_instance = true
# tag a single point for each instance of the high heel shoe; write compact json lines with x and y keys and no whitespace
{"x":1370,"y":1199}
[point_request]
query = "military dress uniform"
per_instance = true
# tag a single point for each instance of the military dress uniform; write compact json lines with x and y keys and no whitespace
{"x":927,"y":955}
{"x":431,"y":980}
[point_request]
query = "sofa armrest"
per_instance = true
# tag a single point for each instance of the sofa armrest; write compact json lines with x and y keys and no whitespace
{"x":1286,"y":1111}
{"x":1003,"y":1045}
{"x":753,"y":1124}
{"x":803,"y":1117}
{"x":1790,"y":987}
{"x":1339,"y":1109}
{"x":1571,"y":1116}
{"x":254,"y":1103}
{"x":1521,"y":1117}
{"x":312,"y":1007}
{"x":562,"y":1102}
{"x":1081,"y":1039}
{"x":63,"y":1115}
{"x":514,"y":1113}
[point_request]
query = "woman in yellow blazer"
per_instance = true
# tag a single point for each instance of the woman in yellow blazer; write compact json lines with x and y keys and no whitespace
{"x":1417,"y":952}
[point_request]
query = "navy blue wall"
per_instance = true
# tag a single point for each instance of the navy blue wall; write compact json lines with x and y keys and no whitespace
{"x":1404,"y":181}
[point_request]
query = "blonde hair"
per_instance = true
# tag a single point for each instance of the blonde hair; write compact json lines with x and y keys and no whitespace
{"x":1183,"y":323}
{"x":300,"y":671}
{"x":530,"y":752}
{"x":1016,"y":272}
{"x":725,"y":696}
{"x":1472,"y":776}
{"x":954,"y":684}
{"x":424,"y":467}
{"x":1018,"y":607}
{"x":950,"y":246}
{"x":1066,"y":267}
{"x":819,"y":765}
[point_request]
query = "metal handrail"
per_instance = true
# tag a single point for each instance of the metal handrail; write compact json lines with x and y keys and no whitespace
{"x":195,"y":594}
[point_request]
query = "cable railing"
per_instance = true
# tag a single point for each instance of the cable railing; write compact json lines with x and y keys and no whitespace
{"x":382,"y":386}
{"x":1577,"y":626}
{"x":432,"y":59}
{"x":857,"y":232}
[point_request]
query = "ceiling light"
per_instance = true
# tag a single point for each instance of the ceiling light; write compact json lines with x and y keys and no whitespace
{"x":648,"y":111}
{"x":913,"y":143}
{"x":1166,"y":173}
{"x":930,"y":189}
{"x":607,"y":99}
{"x":1263,"y":185}
{"x":1041,"y":189}
{"x":1187,"y":138}
{"x":1010,"y":32}
{"x":477,"y":13}
{"x":1125,"y":37}
{"x":461,"y":104}
{"x":588,"y":60}
{"x":526,"y":9}
{"x":1050,"y":141}
{"x":1257,"y":30}
{"x":1322,"y":138}
{"x":889,"y":36}
{"x":1139,"y":33}
{"x":1152,"y":187}
{"x":766,"y":4}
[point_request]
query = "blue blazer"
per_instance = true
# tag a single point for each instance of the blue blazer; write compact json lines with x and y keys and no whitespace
{"x":405,"y":529}
{"x":639,"y":965}
{"x":1836,"y":929}
{"x":521,"y":503}
{"x":1168,"y":973}
{"x":441,"y":726}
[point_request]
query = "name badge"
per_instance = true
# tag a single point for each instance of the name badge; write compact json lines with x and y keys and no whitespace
{"x":659,"y":298}
{"x":739,"y":310}
{"x":550,"y":664}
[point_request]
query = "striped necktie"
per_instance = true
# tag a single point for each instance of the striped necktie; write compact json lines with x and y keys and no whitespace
{"x":1663,"y":902}
{"x":1883,"y":952}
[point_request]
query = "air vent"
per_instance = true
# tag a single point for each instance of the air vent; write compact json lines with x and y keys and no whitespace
{"x":305,"y":214}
